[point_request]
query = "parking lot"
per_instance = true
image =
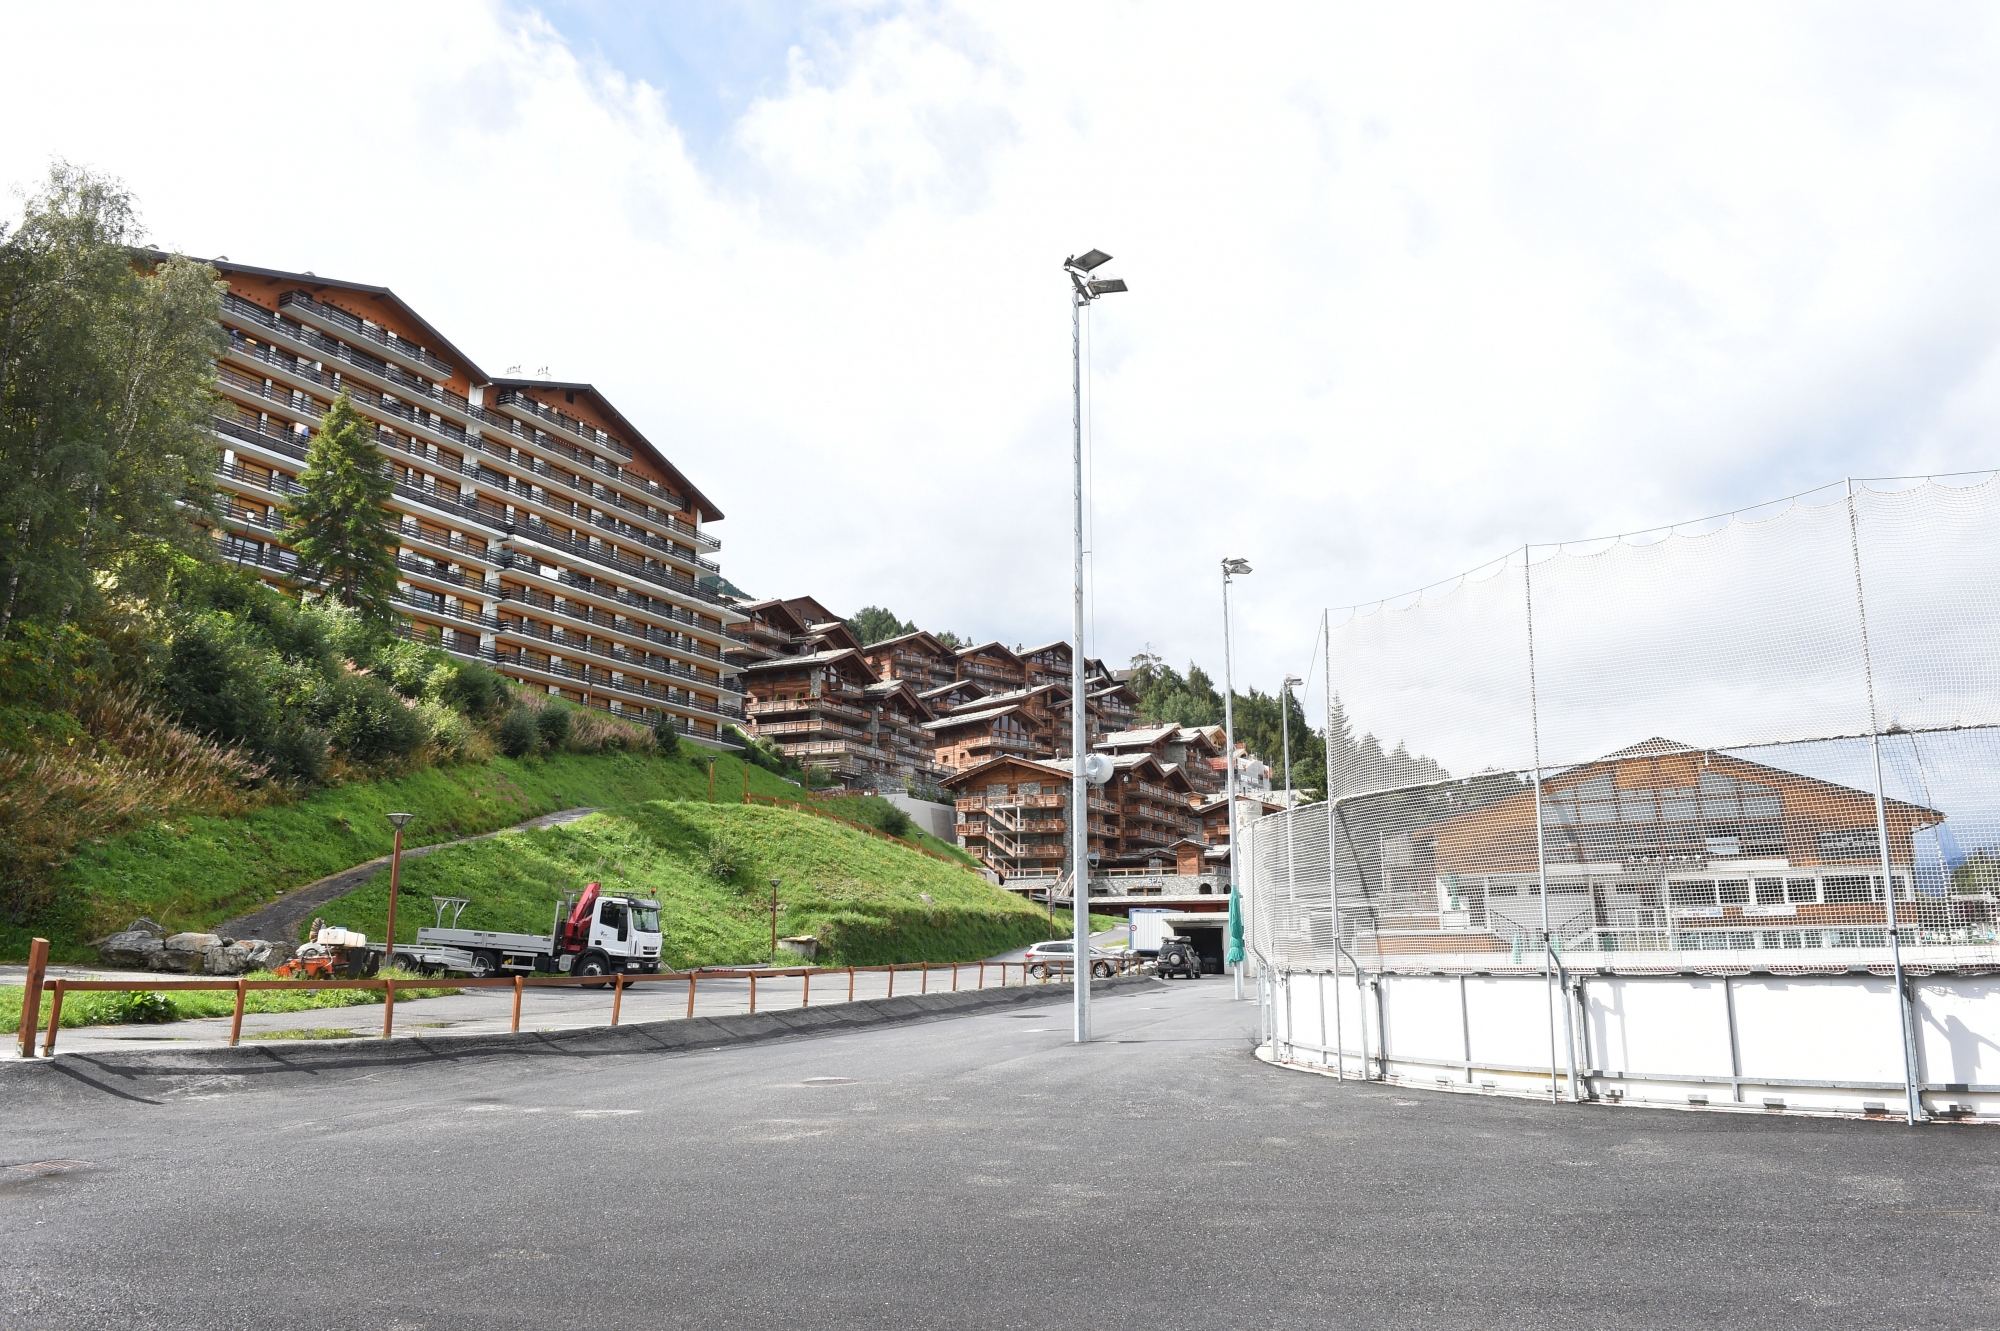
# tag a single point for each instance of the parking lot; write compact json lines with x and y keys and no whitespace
{"x":973,"y":1172}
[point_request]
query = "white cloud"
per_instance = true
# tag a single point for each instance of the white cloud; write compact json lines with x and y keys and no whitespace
{"x":1409,"y":285}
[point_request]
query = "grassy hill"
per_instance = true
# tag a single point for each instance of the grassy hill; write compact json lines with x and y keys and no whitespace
{"x":861,"y":896}
{"x":195,"y":872}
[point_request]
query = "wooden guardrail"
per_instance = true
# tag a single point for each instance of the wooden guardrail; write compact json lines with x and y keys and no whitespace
{"x":37,"y":984}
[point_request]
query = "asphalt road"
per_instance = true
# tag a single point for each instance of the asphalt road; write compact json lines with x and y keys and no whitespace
{"x":979,"y":1172}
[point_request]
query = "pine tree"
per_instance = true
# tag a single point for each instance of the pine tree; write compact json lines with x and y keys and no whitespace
{"x":336,"y":523}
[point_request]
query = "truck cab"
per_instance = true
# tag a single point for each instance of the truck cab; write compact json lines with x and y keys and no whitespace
{"x":601,"y":935}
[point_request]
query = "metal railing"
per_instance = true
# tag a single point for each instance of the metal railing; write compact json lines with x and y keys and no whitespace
{"x":362,"y":328}
{"x":541,"y":411}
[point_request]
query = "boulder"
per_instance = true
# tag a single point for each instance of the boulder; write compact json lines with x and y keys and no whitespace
{"x":239,"y":956}
{"x":187,"y":952}
{"x":142,"y":925}
{"x":132,"y":950}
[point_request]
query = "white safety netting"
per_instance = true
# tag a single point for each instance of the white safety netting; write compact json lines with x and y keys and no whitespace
{"x":1667,"y":743}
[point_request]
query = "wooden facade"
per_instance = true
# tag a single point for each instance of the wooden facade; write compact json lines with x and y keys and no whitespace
{"x":1013,"y":815}
{"x":916,"y":657}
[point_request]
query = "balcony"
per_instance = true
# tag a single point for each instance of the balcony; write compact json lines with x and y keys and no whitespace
{"x":564,"y":645}
{"x":262,"y":435}
{"x":647,"y":605}
{"x":516,"y":401}
{"x":412,"y":532}
{"x":631,"y":628}
{"x":308,"y":310}
{"x":579,"y":547}
{"x":273,"y":483}
{"x":437,"y":607}
{"x":436,"y":570}
{"x":319,"y":346}
{"x":483,"y":512}
{"x":255,"y":554}
{"x":592,"y":677}
{"x":448,"y":433}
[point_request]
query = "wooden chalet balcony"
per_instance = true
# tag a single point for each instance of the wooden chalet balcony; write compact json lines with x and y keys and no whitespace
{"x":778,"y":707}
{"x":1043,"y":801}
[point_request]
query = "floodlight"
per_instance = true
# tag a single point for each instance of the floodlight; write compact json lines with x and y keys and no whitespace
{"x":1088,"y":260}
{"x":1107,"y":286}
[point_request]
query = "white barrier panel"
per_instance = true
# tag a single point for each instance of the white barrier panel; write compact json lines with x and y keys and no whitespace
{"x":1829,"y":1043}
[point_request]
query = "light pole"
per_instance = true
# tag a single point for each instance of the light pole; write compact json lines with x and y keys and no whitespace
{"x":1285,"y":727}
{"x":1083,"y":290}
{"x":1231,"y":569}
{"x":395,"y":869}
{"x":774,"y":920}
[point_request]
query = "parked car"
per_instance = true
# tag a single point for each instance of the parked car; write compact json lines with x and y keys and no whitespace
{"x":1178,"y":958}
{"x":1059,"y":955}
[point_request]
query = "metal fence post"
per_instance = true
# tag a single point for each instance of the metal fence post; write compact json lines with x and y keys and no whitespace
{"x":1541,"y":854}
{"x":1912,"y":1092}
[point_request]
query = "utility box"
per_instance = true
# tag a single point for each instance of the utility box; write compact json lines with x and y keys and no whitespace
{"x":1149,"y":930}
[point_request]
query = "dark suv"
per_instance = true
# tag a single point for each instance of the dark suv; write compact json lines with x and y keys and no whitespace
{"x":1178,"y":957}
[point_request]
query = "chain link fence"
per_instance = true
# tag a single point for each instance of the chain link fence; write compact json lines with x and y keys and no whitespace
{"x":1768,"y":742}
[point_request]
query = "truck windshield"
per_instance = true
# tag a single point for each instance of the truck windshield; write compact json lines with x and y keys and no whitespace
{"x":645,"y":917}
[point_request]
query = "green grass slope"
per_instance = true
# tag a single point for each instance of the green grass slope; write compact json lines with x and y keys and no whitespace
{"x":194,"y":873}
{"x":861,"y":896}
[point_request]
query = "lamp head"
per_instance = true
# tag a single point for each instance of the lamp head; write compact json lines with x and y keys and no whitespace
{"x":1088,"y":260}
{"x":1291,"y":682}
{"x":401,"y":820}
{"x":1235,"y":568}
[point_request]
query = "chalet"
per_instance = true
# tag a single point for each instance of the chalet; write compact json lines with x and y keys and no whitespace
{"x":1153,"y":807}
{"x":1048,"y":663}
{"x":917,"y":657}
{"x":967,"y":739}
{"x":819,"y":709}
{"x":1116,"y":704}
{"x":953,"y":697}
{"x":897,"y":723}
{"x":993,"y":665}
{"x":1657,"y":845}
{"x":773,"y":631}
{"x":1194,"y":750}
{"x":1013,"y":815}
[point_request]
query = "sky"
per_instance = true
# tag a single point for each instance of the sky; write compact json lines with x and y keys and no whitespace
{"x":1410,"y":285}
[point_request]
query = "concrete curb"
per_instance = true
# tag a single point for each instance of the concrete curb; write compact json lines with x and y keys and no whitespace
{"x":143,"y":1075}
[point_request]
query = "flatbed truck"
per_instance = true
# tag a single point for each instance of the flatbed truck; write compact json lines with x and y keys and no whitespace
{"x":592,"y":934}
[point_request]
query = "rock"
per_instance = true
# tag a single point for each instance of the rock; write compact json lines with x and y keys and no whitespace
{"x":142,"y":925}
{"x":239,"y":956}
{"x":134,"y":949}
{"x":266,"y":955}
{"x":186,"y":952}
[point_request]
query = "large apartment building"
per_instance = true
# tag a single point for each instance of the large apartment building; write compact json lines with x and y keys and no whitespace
{"x":538,"y":529}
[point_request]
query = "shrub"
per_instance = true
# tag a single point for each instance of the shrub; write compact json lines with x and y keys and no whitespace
{"x":553,"y":724}
{"x":722,"y":857}
{"x":449,"y":733}
{"x":138,"y":1006}
{"x":666,"y":735}
{"x":473,"y":687}
{"x":519,"y":734}
{"x":407,"y":666}
{"x":369,"y":723}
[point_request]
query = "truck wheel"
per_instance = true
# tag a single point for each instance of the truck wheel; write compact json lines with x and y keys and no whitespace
{"x":485,"y":966}
{"x":592,"y":965}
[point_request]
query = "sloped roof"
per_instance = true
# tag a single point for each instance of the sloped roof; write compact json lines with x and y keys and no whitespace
{"x":1039,"y":764}
{"x":700,"y":503}
{"x":969,"y":718}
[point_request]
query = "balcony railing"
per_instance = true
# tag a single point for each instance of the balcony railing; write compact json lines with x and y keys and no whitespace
{"x":586,"y":614}
{"x":521,"y":402}
{"x":650,"y":605}
{"x":275,"y":482}
{"x":467,"y":508}
{"x":258,"y":555}
{"x":359,"y":327}
{"x":430,"y":603}
{"x":568,"y":543}
{"x":263,"y":434}
{"x":564,"y":645}
{"x":601,"y":679}
{"x":437,"y":571}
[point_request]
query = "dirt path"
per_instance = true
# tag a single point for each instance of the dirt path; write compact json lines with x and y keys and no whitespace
{"x":283,"y":917}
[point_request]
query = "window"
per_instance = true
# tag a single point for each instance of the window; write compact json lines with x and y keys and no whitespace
{"x":1733,"y":892}
{"x":1770,"y":891}
{"x":1691,"y":894}
{"x":1848,"y":889}
{"x":1801,"y":889}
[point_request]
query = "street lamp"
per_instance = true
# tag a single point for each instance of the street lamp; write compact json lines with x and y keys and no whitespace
{"x":1231,"y":569}
{"x":395,"y":867}
{"x":774,"y":920}
{"x":1083,"y":290}
{"x":1285,"y":726}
